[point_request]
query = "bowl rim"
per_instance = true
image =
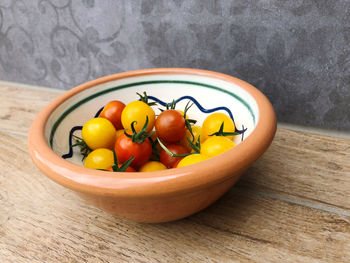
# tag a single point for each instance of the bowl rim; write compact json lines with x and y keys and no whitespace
{"x":150,"y":184}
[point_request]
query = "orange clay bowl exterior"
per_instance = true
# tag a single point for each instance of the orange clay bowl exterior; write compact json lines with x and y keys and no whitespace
{"x":163,"y":195}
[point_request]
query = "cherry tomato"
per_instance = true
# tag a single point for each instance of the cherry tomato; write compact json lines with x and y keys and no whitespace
{"x":170,"y":126}
{"x":125,"y":148}
{"x":182,"y":113}
{"x":196,"y":130}
{"x":168,"y":160}
{"x":99,"y":133}
{"x":215,"y":145}
{"x":152,"y":166}
{"x":137,"y":111}
{"x":118,"y":133}
{"x":175,"y":164}
{"x":213,"y":122}
{"x":129,"y":169}
{"x":192,"y":159}
{"x":99,"y":159}
{"x":113,"y":112}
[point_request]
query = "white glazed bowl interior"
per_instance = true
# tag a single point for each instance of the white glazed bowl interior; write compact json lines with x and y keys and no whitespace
{"x":209,"y":92}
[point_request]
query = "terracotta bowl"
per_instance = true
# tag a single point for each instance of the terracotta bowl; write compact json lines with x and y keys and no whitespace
{"x":154,"y":196}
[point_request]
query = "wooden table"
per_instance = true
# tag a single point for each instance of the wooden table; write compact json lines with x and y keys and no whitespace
{"x":292,"y":205}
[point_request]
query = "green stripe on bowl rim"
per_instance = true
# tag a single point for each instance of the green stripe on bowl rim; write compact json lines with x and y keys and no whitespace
{"x":152,"y":82}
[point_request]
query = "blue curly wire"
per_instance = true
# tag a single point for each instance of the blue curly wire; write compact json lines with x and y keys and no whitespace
{"x":199,"y":106}
{"x":74,"y":129}
{"x":70,"y":153}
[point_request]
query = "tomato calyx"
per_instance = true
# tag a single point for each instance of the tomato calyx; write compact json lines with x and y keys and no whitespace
{"x":221,"y":132}
{"x":144,"y":98}
{"x":115,"y":167}
{"x":169,"y":106}
{"x":139,"y":137}
{"x":155,"y":151}
{"x":84,"y":148}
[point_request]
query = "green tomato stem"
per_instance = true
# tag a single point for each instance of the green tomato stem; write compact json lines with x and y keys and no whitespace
{"x":222,"y":133}
{"x":170,"y":153}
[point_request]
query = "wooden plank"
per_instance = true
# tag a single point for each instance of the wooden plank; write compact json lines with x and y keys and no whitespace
{"x":19,"y":106}
{"x":315,"y":168}
{"x":41,"y":221}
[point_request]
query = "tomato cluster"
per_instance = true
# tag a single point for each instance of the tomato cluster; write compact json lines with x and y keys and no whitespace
{"x":132,"y":138}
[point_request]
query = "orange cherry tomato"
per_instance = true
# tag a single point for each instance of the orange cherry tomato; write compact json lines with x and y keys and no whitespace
{"x":170,"y":126}
{"x":113,"y":112}
{"x":168,"y":160}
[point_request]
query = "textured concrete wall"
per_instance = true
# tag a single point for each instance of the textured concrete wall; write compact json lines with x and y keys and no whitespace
{"x":296,"y":51}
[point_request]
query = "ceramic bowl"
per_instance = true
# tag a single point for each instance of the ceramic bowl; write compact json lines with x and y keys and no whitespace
{"x":163,"y":195}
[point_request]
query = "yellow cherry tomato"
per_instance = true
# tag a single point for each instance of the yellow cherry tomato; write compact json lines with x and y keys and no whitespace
{"x":192,"y":159}
{"x":213,"y":122}
{"x":215,"y":145}
{"x":118,"y":133}
{"x":99,"y":159}
{"x":99,"y":133}
{"x":182,"y":113}
{"x":152,"y":166}
{"x":137,"y":111}
{"x":196,"y":130}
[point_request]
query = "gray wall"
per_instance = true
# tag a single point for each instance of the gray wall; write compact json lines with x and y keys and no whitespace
{"x":296,"y":51}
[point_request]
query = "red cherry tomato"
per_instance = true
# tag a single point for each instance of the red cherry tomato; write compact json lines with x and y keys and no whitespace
{"x":170,"y":126}
{"x":125,"y":148}
{"x":129,"y":169}
{"x":177,"y":162}
{"x":168,"y":160}
{"x":113,"y":112}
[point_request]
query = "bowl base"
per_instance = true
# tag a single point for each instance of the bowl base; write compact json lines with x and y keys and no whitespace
{"x":160,"y":209}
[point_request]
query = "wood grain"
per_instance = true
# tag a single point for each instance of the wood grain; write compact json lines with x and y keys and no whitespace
{"x":41,"y":221}
{"x":311,"y":167}
{"x":19,"y":106}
